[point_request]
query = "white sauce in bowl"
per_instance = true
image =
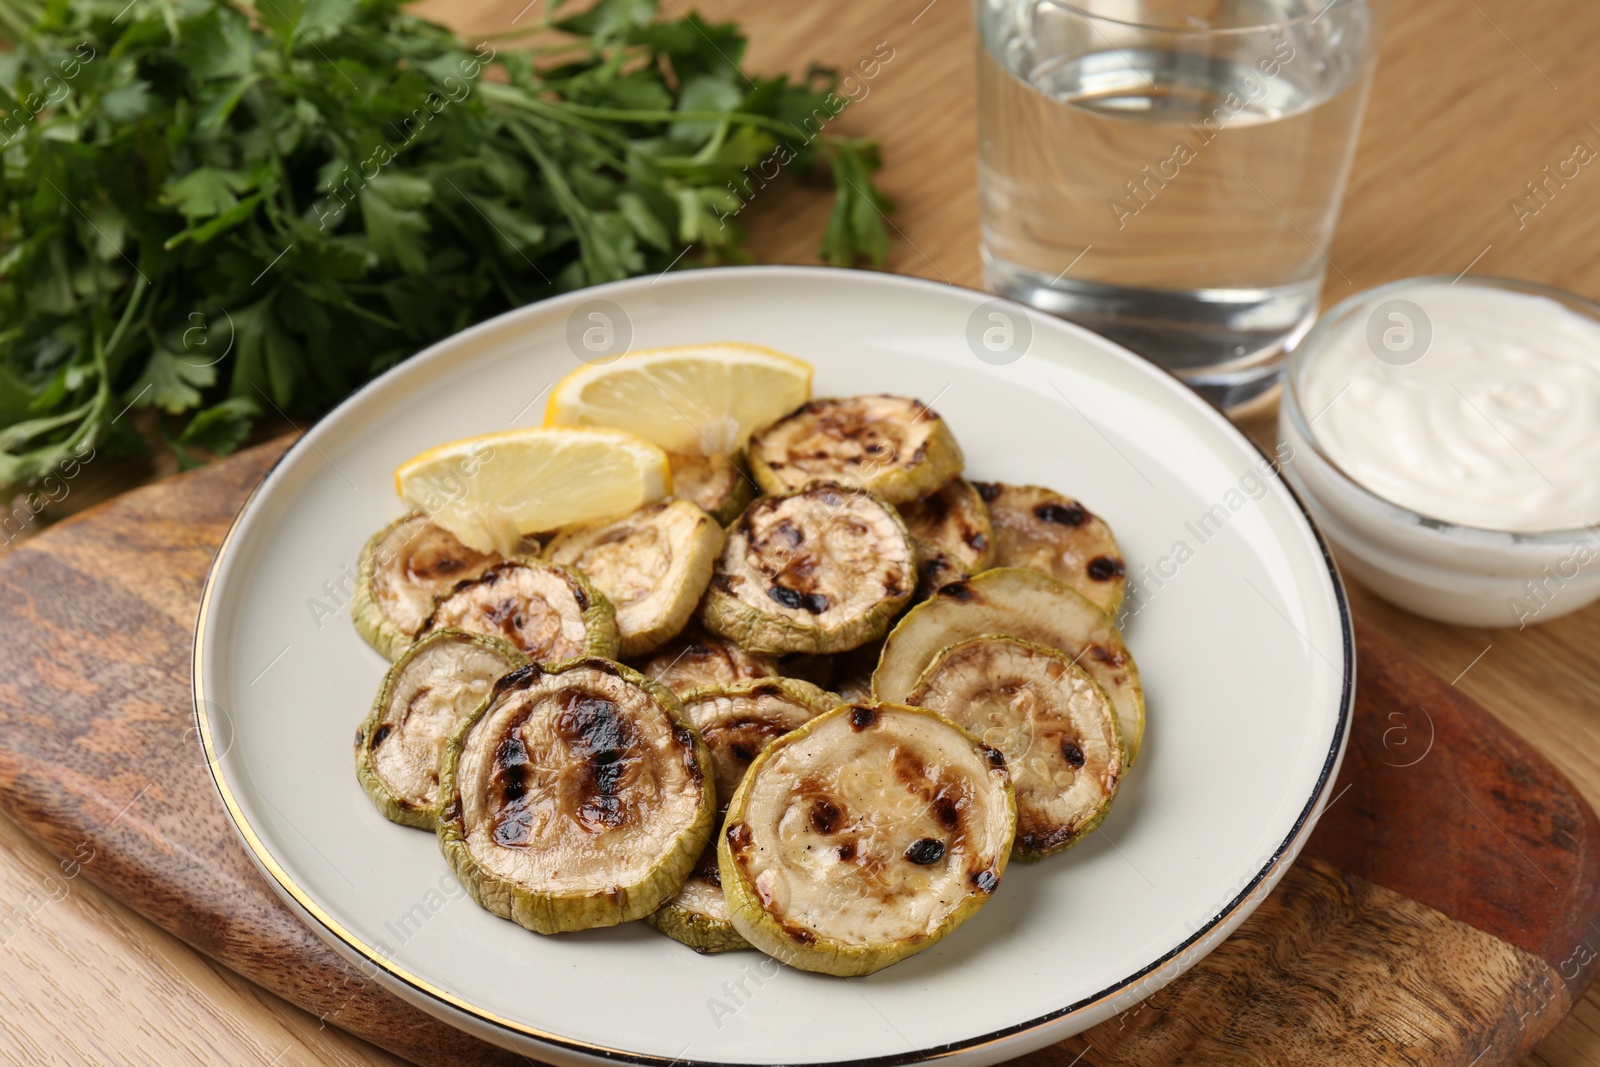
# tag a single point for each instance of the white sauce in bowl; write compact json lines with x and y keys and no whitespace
{"x":1496,"y":425}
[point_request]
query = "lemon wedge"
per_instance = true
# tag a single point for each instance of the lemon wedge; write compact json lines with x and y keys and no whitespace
{"x":493,"y":490}
{"x":696,"y":399}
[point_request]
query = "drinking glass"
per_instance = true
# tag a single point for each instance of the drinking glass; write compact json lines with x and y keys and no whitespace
{"x":1168,"y":172}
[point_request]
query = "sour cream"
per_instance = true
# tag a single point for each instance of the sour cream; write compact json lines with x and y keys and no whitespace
{"x":1495,"y":424}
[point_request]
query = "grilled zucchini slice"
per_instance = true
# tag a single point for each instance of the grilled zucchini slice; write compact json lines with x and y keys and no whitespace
{"x":935,"y":569}
{"x":434,"y":684}
{"x":893,"y":446}
{"x":954,"y":521}
{"x":698,"y":915}
{"x":547,"y":611}
{"x":1016,"y":602}
{"x":404,"y":566}
{"x":863,"y":837}
{"x":652,"y":565}
{"x":576,"y":796}
{"x":696,"y":658}
{"x":737,"y":722}
{"x":1050,"y":720}
{"x":821,"y":570}
{"x":717,"y":484}
{"x":1058,"y":536}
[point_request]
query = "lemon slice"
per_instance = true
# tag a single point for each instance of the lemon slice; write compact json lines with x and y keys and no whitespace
{"x":493,"y":490}
{"x":701,"y":399}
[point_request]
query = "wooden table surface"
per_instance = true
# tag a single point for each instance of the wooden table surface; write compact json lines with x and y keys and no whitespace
{"x":1473,"y":99}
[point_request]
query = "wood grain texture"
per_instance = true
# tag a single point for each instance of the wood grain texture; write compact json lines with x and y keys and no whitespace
{"x":99,"y":758}
{"x":1461,"y":117}
{"x":86,"y":980}
{"x":1335,"y":971}
{"x":1463,"y":819}
{"x":111,"y":782}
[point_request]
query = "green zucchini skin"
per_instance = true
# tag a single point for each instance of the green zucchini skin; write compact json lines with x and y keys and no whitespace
{"x":609,"y":554}
{"x":813,"y":950}
{"x":782,"y":461}
{"x":384,"y":633}
{"x":690,"y":484}
{"x":549,"y":911}
{"x":1058,"y":536}
{"x":600,"y":636}
{"x":759,"y":623}
{"x":954,"y":537}
{"x":697,"y":915}
{"x":394,"y":808}
{"x":1044,"y":826}
{"x":707,"y":934}
{"x":1024,"y":603}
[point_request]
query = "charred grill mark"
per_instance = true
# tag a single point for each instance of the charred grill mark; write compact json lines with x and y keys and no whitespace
{"x":744,"y":525}
{"x":976,"y":541}
{"x":1071,"y":513}
{"x":1072,"y":754}
{"x":958,"y":591}
{"x":799,"y":933}
{"x":598,"y":733}
{"x":1106,"y":656}
{"x":863,"y":718}
{"x":520,"y":678}
{"x":1046,"y":840}
{"x":995,"y":757}
{"x":743,"y":752}
{"x":815,"y":603}
{"x":685,"y":739}
{"x":578,"y":595}
{"x":431,"y":554}
{"x":1105,"y":568}
{"x":361,"y":735}
{"x":490,"y":577}
{"x":452,"y":810}
{"x":507,"y":617}
{"x":847,"y":852}
{"x":947,"y":799}
{"x":825,"y":815}
{"x":989,"y":491}
{"x":986,"y":880}
{"x":379,"y":736}
{"x":925,"y":851}
{"x":510,"y":782}
{"x":740,"y":839}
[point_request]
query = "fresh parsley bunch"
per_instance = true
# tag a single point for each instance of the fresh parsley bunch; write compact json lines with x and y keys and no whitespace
{"x":208,"y":208}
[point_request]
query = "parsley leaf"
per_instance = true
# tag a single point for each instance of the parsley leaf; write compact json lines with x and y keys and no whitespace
{"x":207,"y":209}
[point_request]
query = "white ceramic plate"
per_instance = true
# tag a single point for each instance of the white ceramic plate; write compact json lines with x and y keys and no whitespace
{"x":1243,"y":640}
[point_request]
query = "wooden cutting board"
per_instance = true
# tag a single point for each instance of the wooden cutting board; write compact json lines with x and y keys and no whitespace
{"x":1446,"y":911}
